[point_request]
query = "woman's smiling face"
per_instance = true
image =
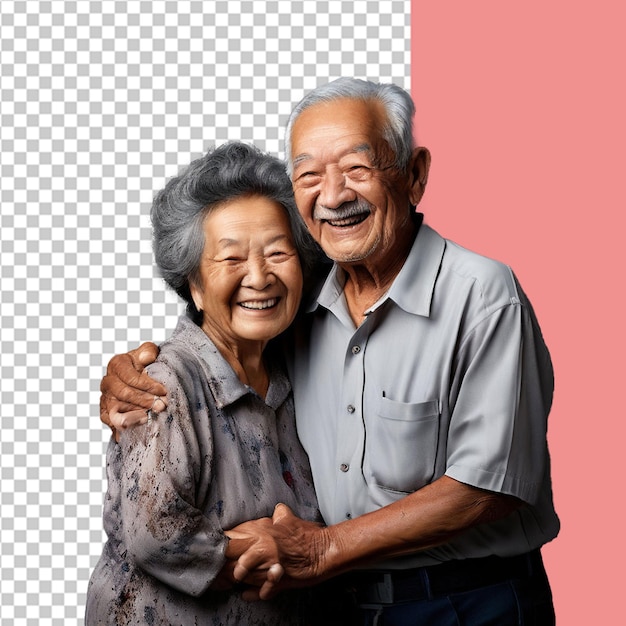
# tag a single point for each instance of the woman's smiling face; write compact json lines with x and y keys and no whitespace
{"x":250,"y":274}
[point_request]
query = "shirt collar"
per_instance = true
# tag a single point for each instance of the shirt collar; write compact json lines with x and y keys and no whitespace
{"x":412,"y":289}
{"x":225,"y":385}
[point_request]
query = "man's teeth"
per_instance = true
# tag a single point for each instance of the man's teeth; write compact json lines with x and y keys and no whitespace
{"x":347,"y":221}
{"x":259,"y":305}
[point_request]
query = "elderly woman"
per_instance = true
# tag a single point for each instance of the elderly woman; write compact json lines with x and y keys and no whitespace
{"x":228,"y":239}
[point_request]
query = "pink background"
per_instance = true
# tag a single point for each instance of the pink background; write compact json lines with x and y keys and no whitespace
{"x":523,"y":108}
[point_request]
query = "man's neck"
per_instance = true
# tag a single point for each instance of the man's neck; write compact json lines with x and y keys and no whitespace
{"x":368,"y":280}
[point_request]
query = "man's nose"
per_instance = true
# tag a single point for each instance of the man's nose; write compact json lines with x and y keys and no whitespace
{"x":334,"y":191}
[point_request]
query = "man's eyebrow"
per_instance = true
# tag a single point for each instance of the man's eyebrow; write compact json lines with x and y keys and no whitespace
{"x":362,"y":147}
{"x":301,"y":158}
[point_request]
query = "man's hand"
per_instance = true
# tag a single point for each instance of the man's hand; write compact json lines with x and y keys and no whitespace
{"x":310,"y":553}
{"x":127,"y":394}
{"x":280,"y":553}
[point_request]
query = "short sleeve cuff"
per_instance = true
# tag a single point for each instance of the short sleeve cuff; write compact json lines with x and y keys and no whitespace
{"x":498,"y":483}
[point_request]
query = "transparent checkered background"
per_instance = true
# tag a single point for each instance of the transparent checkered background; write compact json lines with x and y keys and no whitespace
{"x":101,"y":102}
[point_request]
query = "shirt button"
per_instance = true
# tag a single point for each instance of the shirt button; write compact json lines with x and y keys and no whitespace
{"x":356,"y":349}
{"x":351,"y":409}
{"x":348,"y":515}
{"x":344,"y":467}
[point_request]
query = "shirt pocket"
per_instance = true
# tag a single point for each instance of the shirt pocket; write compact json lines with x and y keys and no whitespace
{"x":401,"y":444}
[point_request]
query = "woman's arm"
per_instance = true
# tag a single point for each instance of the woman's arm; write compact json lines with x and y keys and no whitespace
{"x":165,"y":470}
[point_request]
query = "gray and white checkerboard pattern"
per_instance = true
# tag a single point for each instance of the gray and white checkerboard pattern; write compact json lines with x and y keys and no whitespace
{"x":101,"y":102}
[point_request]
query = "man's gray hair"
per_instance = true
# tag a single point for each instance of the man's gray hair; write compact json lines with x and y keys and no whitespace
{"x":398,"y":129}
{"x":230,"y":171}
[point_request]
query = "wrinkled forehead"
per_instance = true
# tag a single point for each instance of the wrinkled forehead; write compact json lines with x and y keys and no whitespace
{"x":349,"y":124}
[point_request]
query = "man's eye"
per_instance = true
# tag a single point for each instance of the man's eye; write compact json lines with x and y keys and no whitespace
{"x":307,"y":178}
{"x":358,"y":171}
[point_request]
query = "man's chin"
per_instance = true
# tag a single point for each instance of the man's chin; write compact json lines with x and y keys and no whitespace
{"x":345,"y":255}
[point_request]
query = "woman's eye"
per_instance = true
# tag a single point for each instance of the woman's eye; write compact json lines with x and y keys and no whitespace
{"x":278,"y":256}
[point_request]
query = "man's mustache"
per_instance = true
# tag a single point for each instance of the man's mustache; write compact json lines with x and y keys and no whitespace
{"x":343,"y":211}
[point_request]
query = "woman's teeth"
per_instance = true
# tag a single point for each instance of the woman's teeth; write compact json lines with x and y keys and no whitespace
{"x":259,"y":305}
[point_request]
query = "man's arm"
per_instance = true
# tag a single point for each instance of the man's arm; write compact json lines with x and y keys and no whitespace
{"x":497,"y":438}
{"x":127,"y":393}
{"x":310,"y":554}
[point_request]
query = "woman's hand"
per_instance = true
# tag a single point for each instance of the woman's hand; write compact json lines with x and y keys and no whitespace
{"x":254,"y":536}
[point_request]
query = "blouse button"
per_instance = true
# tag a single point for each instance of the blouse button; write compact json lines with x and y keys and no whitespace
{"x":356,"y":349}
{"x":344,"y":467}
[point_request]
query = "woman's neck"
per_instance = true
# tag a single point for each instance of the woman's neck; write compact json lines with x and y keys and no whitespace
{"x":246,"y":359}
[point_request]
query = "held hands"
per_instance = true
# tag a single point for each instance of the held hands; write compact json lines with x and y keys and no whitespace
{"x":254,"y":536}
{"x":127,"y":394}
{"x":278,"y":553}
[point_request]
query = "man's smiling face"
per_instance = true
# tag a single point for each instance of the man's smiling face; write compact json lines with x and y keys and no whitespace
{"x":351,"y":197}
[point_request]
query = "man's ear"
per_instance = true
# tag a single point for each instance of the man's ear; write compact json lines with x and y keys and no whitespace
{"x":418,"y":174}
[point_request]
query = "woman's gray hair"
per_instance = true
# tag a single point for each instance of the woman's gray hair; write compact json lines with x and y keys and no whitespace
{"x":398,"y":129}
{"x":230,"y":171}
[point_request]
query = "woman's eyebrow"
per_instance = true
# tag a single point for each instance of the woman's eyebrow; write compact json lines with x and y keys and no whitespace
{"x":225,"y":242}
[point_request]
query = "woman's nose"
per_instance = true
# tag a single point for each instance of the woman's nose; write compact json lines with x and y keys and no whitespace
{"x":259,"y":274}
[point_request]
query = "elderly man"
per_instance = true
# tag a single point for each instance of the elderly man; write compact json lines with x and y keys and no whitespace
{"x":422,"y":387}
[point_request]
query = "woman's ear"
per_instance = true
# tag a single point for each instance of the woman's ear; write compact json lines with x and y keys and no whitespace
{"x":418,"y":174}
{"x":196,"y":295}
